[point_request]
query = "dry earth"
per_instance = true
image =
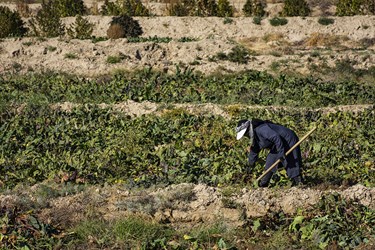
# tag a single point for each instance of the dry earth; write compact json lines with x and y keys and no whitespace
{"x":184,"y":203}
{"x":135,"y":109}
{"x":283,"y":48}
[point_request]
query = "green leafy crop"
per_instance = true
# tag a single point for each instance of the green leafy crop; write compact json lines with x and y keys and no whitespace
{"x":103,"y":145}
{"x":249,"y":87}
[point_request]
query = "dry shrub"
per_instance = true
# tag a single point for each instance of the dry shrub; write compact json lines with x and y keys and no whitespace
{"x":23,"y":9}
{"x":321,"y":39}
{"x":273,"y":37}
{"x":94,"y":10}
{"x":115,"y":31}
{"x":248,"y":41}
{"x":286,"y":50}
{"x":367,"y":42}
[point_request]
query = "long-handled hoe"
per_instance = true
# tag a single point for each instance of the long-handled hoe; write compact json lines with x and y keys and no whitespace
{"x":279,"y":160}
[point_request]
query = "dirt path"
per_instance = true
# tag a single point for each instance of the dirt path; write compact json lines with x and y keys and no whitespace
{"x":135,"y":109}
{"x":185,"y":203}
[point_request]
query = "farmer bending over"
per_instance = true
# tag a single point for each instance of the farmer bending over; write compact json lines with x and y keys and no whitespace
{"x":278,"y":139}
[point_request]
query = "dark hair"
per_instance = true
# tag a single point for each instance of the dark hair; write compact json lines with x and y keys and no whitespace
{"x":241,"y":122}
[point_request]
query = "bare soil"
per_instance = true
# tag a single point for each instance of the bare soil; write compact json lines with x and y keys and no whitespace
{"x":301,"y":46}
{"x":185,"y":203}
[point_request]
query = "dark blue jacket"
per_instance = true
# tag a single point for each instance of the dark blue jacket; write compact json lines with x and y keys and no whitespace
{"x":278,"y":139}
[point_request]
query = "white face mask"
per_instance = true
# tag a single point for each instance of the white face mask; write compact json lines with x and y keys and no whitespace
{"x":241,"y":130}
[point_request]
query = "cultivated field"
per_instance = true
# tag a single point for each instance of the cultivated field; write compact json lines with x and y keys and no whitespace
{"x":129,"y":143}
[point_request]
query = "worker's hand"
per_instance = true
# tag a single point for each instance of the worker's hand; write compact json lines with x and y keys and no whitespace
{"x":248,"y":149}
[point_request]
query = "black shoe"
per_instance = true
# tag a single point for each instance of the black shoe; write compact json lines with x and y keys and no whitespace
{"x":297,"y":181}
{"x":263,"y":184}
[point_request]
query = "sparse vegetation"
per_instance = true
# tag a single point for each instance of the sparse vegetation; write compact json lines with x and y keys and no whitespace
{"x":254,"y":8}
{"x":238,"y":54}
{"x":200,"y":8}
{"x":114,"y":59}
{"x":28,"y":43}
{"x":51,"y":48}
{"x":228,"y":20}
{"x":124,"y":7}
{"x":81,"y":29}
{"x":257,"y":20}
{"x":154,"y":39}
{"x":187,"y":39}
{"x":224,"y":9}
{"x":124,"y":26}
{"x":70,"y":56}
{"x":326,"y":20}
{"x":324,"y":40}
{"x":23,"y":8}
{"x":278,"y":21}
{"x":296,"y":8}
{"x":11,"y":24}
{"x":67,"y":8}
{"x":47,"y":22}
{"x":349,"y":7}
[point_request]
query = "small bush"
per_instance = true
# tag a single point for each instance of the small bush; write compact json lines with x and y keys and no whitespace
{"x":195,"y":8}
{"x":277,"y":21}
{"x":296,"y":8}
{"x":254,"y":8}
{"x":51,"y":48}
{"x":355,"y":7}
{"x":67,"y":8}
{"x":349,"y":7}
{"x":228,"y":20}
{"x":11,"y":24}
{"x":326,"y":21}
{"x":179,"y":9}
{"x":70,"y":56}
{"x":224,"y":9}
{"x":124,"y":7}
{"x":130,"y":27}
{"x":113,"y":59}
{"x":115,"y":31}
{"x":238,"y":54}
{"x":205,"y":8}
{"x":257,"y":20}
{"x":47,"y":22}
{"x":23,"y":9}
{"x":81,"y":29}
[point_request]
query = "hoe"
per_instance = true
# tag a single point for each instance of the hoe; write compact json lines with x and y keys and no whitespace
{"x":288,"y":152}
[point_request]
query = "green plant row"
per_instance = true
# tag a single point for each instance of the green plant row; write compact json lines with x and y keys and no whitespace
{"x":39,"y":143}
{"x":250,"y":87}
